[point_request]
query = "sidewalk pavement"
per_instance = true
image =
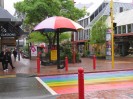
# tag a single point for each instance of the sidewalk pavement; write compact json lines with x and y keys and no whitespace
{"x":26,"y":66}
{"x":29,"y":67}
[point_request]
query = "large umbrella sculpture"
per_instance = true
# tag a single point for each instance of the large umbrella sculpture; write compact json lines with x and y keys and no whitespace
{"x":57,"y":24}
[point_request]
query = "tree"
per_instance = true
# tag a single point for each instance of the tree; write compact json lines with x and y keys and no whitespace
{"x":37,"y":10}
{"x":37,"y":37}
{"x":98,"y":34}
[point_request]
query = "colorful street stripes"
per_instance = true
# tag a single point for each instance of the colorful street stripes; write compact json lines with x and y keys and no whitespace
{"x":63,"y":84}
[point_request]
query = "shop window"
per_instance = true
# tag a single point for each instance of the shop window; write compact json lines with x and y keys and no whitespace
{"x":124,"y":29}
{"x":119,"y":29}
{"x":129,"y":28}
{"x":115,"y":30}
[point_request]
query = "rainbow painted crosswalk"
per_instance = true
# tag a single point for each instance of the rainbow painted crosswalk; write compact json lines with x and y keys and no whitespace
{"x":63,"y":84}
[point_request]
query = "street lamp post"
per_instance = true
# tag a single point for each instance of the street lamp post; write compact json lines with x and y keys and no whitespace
{"x":112,"y":32}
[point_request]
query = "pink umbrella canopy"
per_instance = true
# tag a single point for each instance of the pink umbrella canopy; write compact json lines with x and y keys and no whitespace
{"x":58,"y":23}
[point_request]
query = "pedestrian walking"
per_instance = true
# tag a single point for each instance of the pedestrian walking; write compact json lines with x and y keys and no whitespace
{"x":8,"y":55}
{"x":4,"y":60}
{"x":15,"y":54}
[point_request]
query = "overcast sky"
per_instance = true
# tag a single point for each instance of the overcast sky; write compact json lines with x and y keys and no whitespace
{"x":8,"y":4}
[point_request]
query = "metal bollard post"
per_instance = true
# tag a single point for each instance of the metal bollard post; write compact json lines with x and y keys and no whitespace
{"x":94,"y":62}
{"x":38,"y":65}
{"x":66,"y":63}
{"x":81,"y":83}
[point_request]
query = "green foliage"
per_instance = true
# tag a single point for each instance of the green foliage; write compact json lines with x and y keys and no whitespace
{"x":25,"y":48}
{"x":66,"y":50}
{"x":65,"y":36}
{"x":86,"y":53}
{"x":37,"y":37}
{"x":38,"y":10}
{"x":98,"y":32}
{"x":78,"y":57}
{"x":47,"y":37}
{"x":97,"y":37}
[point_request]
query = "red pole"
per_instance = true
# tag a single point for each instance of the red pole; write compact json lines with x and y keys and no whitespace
{"x":81,"y":83}
{"x":94,"y":62}
{"x":38,"y":65}
{"x":66,"y":63}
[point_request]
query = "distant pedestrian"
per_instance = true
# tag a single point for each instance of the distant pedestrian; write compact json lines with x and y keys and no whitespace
{"x":8,"y":54}
{"x":15,"y":54}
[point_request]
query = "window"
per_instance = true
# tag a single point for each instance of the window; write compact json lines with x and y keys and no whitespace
{"x":81,"y":35}
{"x":115,"y":30}
{"x":85,"y":22}
{"x":96,"y":13}
{"x":104,"y":5}
{"x":121,"y":9}
{"x":124,"y":29}
{"x":132,"y":28}
{"x":129,"y":28}
{"x":119,"y":29}
{"x":86,"y":34}
{"x":81,"y":22}
{"x":92,"y":17}
{"x":100,"y":8}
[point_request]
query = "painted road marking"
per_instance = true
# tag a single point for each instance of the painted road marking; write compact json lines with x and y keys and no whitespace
{"x":64,"y":84}
{"x":7,"y":76}
{"x":46,"y":86}
{"x":120,"y":62}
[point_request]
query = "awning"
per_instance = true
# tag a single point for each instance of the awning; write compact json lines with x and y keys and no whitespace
{"x":125,"y":34}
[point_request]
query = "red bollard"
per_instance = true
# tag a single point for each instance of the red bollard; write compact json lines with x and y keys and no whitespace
{"x":94,"y":62}
{"x":38,"y":65}
{"x":66,"y":63}
{"x":81,"y":83}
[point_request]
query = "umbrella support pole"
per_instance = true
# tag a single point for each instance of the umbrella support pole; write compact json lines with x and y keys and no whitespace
{"x":58,"y":52}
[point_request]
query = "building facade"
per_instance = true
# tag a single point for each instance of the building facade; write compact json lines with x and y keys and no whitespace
{"x":124,"y":32}
{"x":102,"y":9}
{"x":2,"y":3}
{"x":9,"y":28}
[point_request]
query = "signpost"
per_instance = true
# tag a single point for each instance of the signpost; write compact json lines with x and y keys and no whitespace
{"x":33,"y":50}
{"x":54,"y":55}
{"x":112,"y":32}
